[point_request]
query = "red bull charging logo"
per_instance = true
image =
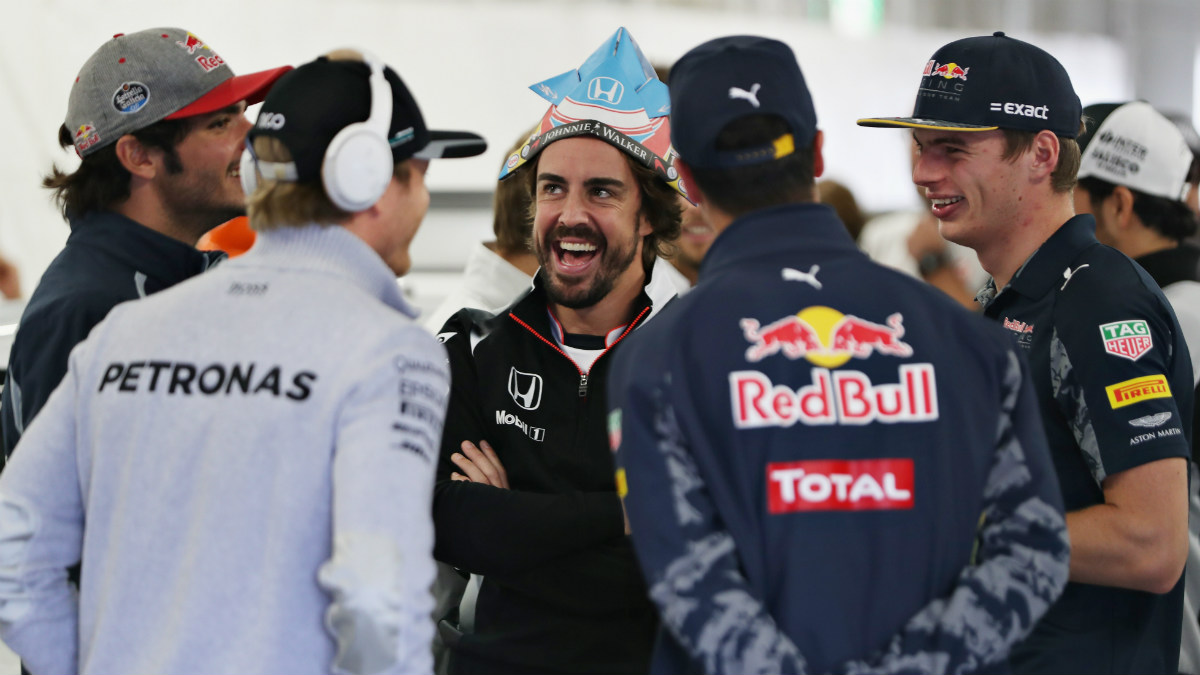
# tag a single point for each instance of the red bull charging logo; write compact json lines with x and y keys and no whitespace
{"x":825,"y":337}
{"x":950,"y":71}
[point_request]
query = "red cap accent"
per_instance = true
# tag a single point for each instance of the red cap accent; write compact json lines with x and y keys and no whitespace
{"x":118,"y":35}
{"x":121,"y":60}
{"x":250,"y":88}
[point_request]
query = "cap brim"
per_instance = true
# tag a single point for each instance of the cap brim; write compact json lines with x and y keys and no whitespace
{"x":452,"y":145}
{"x":919,"y":123}
{"x":250,"y":88}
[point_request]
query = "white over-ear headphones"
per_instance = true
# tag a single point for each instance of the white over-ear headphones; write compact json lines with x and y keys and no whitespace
{"x":358,"y":163}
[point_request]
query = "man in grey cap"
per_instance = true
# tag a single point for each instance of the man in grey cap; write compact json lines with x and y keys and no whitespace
{"x":157,"y":118}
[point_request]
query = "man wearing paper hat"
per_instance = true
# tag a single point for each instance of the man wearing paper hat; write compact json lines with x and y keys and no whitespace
{"x":243,"y":464}
{"x":996,"y":121}
{"x":157,"y":119}
{"x":808,"y":438}
{"x":526,"y":500}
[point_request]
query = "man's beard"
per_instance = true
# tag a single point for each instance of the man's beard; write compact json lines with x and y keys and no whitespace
{"x":194,"y":205}
{"x":612,"y":264}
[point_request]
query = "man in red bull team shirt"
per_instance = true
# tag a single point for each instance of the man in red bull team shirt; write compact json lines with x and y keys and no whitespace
{"x":821,"y":477}
{"x":998,"y":161}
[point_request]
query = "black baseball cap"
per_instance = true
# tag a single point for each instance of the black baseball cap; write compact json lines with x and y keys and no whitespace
{"x":309,"y":106}
{"x":732,"y":77}
{"x":992,"y":82}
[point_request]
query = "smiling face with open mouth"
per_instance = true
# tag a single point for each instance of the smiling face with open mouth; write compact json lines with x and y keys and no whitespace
{"x":588,"y":228}
{"x":974,"y":191}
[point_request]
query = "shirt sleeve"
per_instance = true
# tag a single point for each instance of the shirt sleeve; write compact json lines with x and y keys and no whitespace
{"x":41,"y":535}
{"x":382,"y":566}
{"x":487,"y":530}
{"x":1112,"y":372}
{"x":694,"y":573}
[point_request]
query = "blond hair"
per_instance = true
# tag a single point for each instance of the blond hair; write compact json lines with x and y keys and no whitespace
{"x":277,"y":204}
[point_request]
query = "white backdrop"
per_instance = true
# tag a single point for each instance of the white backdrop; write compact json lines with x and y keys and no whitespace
{"x":469,"y":64}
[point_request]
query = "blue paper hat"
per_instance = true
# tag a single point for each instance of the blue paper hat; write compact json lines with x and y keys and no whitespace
{"x":614,"y":96}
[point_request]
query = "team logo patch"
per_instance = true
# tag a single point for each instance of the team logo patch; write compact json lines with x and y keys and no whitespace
{"x":1023,"y":331}
{"x":825,"y":337}
{"x":614,"y":429}
{"x":840,"y":485}
{"x":525,"y":389}
{"x":131,"y":97}
{"x":834,"y":397}
{"x":1128,"y":339}
{"x":950,"y":71}
{"x":1151,"y":421}
{"x":1137,"y":390}
{"x":85,"y":137}
{"x":191,"y":43}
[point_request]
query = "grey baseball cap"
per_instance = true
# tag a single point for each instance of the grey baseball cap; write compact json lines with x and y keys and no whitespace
{"x":137,"y":79}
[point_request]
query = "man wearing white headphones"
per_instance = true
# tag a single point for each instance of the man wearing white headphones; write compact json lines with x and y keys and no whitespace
{"x":244,"y":463}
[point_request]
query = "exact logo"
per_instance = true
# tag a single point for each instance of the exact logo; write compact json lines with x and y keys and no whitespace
{"x":606,"y":89}
{"x":1128,"y":339}
{"x":525,"y":389}
{"x":840,"y":485}
{"x":1137,"y":390}
{"x":1040,"y":112}
{"x":825,"y":337}
{"x":838,"y":397}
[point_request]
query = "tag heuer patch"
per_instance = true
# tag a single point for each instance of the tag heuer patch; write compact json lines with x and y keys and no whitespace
{"x":1127,"y":339}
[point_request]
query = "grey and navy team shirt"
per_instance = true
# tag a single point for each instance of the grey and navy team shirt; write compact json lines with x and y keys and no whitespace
{"x":1114,"y":384}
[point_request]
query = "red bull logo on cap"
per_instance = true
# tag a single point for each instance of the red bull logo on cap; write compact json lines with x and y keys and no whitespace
{"x":825,"y":337}
{"x":85,"y":137}
{"x":950,"y":71}
{"x":191,"y":43}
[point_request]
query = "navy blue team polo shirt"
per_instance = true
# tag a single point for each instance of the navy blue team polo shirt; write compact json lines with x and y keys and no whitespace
{"x":1114,"y":384}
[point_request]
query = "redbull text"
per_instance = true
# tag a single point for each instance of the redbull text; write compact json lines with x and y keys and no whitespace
{"x":837,"y":397}
{"x":840,"y":485}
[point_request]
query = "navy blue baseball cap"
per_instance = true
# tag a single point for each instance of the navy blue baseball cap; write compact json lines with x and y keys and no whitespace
{"x":728,"y":78}
{"x":992,"y":82}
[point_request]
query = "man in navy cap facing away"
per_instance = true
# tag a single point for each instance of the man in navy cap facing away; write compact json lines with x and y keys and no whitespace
{"x":820,"y":476}
{"x":996,"y":121}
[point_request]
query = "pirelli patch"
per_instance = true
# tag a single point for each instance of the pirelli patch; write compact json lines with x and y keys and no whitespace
{"x":622,"y":484}
{"x":1137,"y":390}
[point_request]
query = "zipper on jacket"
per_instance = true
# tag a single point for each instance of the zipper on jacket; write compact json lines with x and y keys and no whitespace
{"x":583,"y":378}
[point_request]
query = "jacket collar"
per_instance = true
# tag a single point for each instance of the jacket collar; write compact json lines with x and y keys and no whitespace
{"x":813,"y":229}
{"x":532,"y":308}
{"x":148,"y":251}
{"x":327,"y":249}
{"x":1046,"y":267}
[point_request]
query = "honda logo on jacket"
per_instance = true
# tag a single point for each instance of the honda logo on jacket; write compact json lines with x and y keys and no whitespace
{"x":525,"y":389}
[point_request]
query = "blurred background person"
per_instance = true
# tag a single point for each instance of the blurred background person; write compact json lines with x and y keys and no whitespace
{"x":1133,"y":178}
{"x":499,"y":270}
